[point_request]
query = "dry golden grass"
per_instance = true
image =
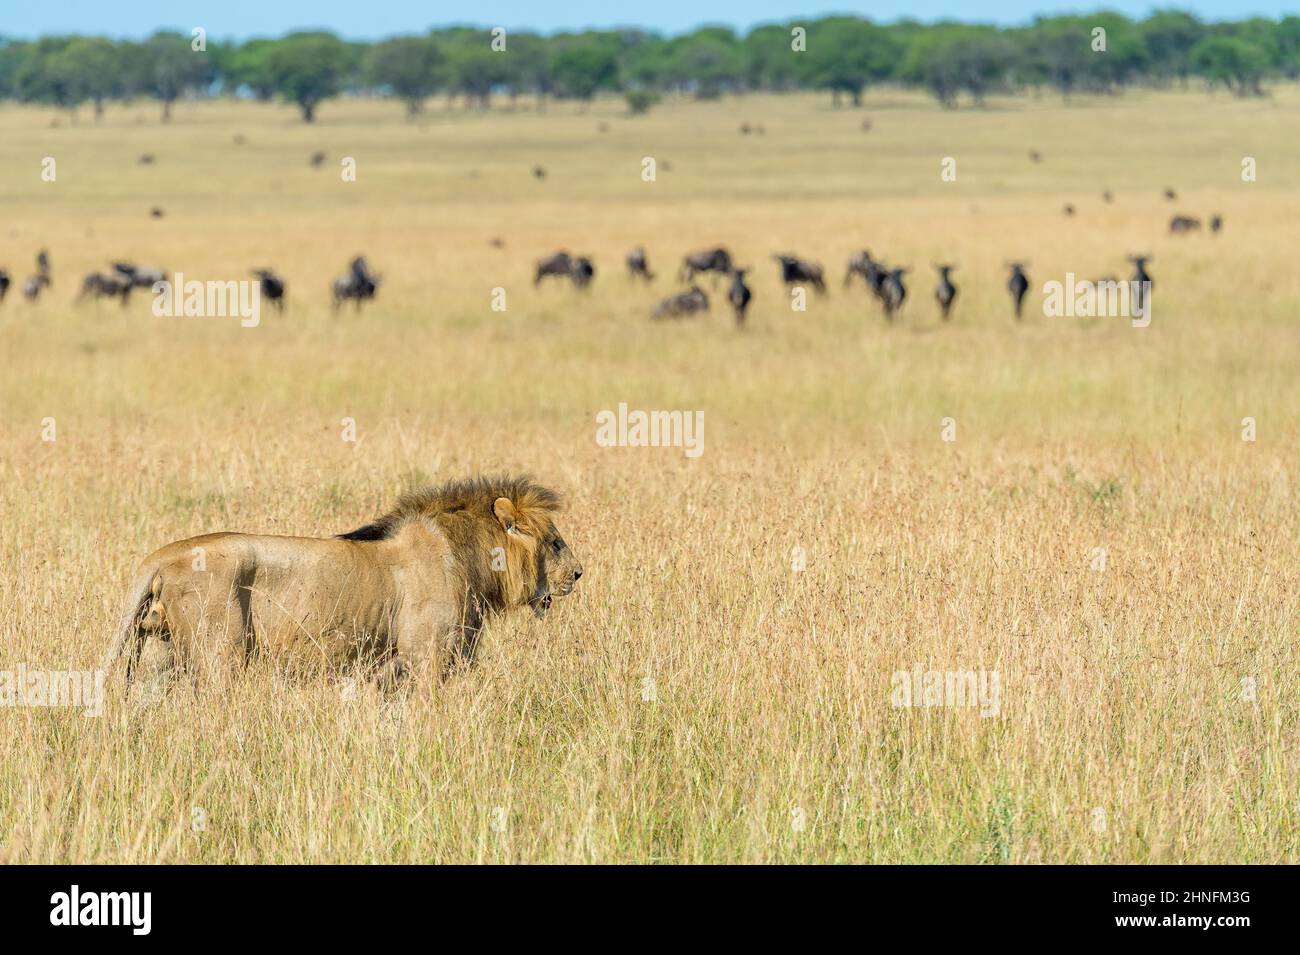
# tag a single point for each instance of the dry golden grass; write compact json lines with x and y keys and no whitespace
{"x":1121,"y":689}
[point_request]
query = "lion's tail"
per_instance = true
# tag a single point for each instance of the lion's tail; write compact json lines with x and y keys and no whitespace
{"x":135,"y":623}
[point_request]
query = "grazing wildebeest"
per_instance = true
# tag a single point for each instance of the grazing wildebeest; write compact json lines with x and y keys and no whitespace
{"x":1181,"y":224}
{"x":717,"y":261}
{"x":156,"y":212}
{"x":796,"y":272}
{"x":273,"y":287}
{"x":582,"y":272}
{"x":41,"y":280}
{"x":98,"y":285}
{"x":894,"y":292}
{"x":561,"y":263}
{"x":1170,"y":194}
{"x":5,"y":282}
{"x":739,"y":295}
{"x":359,"y":284}
{"x":637,"y":265}
{"x":32,"y":287}
{"x":1018,"y":285}
{"x":1035,"y":156}
{"x":684,"y":303}
{"x":945,"y":293}
{"x":539,"y":173}
{"x":877,"y":274}
{"x":859,"y":264}
{"x":1216,"y":222}
{"x":147,"y":159}
{"x":577,"y":268}
{"x":1068,"y":210}
{"x":138,"y":276}
{"x":317,"y":160}
{"x":1107,"y":197}
{"x":1142,"y":280}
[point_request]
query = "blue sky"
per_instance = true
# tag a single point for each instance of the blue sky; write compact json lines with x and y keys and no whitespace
{"x":368,"y":19}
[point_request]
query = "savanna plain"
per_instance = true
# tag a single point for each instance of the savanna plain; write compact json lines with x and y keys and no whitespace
{"x":1090,"y":525}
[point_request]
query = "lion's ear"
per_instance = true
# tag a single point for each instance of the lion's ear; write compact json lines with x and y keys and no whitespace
{"x":505,"y":513}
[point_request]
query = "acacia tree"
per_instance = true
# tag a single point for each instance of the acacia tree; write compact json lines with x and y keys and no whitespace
{"x":1231,"y":61}
{"x":411,"y":67}
{"x":172,"y":68}
{"x":846,"y":54}
{"x":90,"y":68}
{"x":308,"y":68}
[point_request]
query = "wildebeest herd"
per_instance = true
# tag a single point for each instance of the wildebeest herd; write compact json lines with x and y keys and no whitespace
{"x":885,"y":282}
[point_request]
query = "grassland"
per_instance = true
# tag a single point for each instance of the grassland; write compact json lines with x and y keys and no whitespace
{"x":1126,"y":689}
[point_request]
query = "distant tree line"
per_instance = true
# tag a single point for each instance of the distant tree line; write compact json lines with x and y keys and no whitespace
{"x":957,"y":63}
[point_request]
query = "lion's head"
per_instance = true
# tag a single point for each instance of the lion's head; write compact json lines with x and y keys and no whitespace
{"x":538,"y":559}
{"x":503,"y":535}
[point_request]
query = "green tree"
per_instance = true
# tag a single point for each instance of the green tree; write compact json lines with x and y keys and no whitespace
{"x":308,"y":68}
{"x":172,"y":68}
{"x":476,"y":68}
{"x":585,"y":64}
{"x":411,"y":67}
{"x":1231,"y":61}
{"x":845,"y":55}
{"x":1170,"y":36}
{"x":248,"y":67}
{"x":955,"y":59}
{"x":90,"y":68}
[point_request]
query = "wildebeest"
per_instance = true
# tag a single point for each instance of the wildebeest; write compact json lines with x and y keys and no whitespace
{"x":273,"y":287}
{"x":140,"y":276}
{"x":32,"y":287}
{"x":5,"y":282}
{"x":739,"y":295}
{"x":1142,"y":280}
{"x":583,"y":271}
{"x":1107,"y":196}
{"x":317,"y":160}
{"x":359,"y":284}
{"x":561,"y":263}
{"x":539,"y":173}
{"x":684,"y":303}
{"x":1035,"y":156}
{"x":578,"y":268}
{"x":945,"y":293}
{"x":1019,"y":285}
{"x":1181,"y":224}
{"x":717,"y":261}
{"x":99,"y":285}
{"x":893,"y":291}
{"x":859,"y":264}
{"x":41,"y":280}
{"x":637,"y":265}
{"x":1216,"y":222}
{"x":794,"y":271}
{"x":146,"y":159}
{"x":1170,"y":194}
{"x":1068,"y":210}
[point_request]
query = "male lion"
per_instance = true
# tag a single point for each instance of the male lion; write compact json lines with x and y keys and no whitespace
{"x":413,"y":587}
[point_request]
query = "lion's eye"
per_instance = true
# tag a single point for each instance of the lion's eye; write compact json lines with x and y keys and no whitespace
{"x":557,"y":545}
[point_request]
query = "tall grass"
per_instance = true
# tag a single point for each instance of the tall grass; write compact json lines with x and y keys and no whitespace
{"x":1158,"y":688}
